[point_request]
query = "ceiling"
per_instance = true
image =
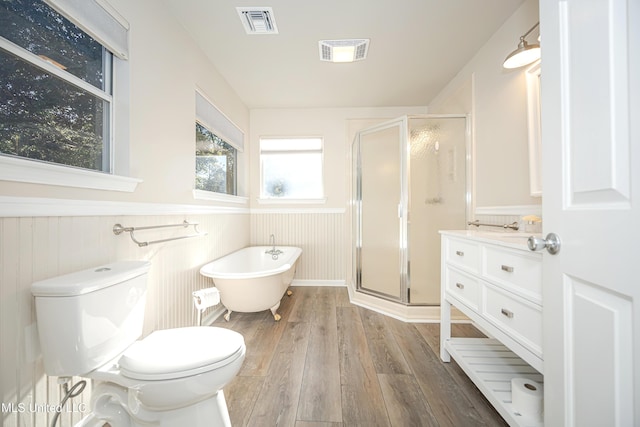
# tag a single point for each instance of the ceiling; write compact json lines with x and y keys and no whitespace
{"x":416,"y":48}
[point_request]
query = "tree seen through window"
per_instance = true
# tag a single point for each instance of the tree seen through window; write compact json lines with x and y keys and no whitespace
{"x":215,"y":163}
{"x":49,"y":117}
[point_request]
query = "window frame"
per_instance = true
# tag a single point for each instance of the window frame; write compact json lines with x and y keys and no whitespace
{"x":216,"y":122}
{"x":17,"y":169}
{"x":292,"y":200}
{"x":235,"y":155}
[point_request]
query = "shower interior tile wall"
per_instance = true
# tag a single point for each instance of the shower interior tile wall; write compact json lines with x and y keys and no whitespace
{"x":36,"y":248}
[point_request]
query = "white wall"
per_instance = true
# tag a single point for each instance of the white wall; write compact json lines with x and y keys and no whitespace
{"x":47,"y":231}
{"x":322,"y":230}
{"x":166,"y":67}
{"x":497,"y":101}
{"x":329,"y":123}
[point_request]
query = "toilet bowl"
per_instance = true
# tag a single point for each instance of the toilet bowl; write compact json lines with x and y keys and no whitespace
{"x":171,"y":378}
{"x":168,"y":371}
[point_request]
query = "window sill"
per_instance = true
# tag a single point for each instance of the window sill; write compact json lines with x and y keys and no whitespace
{"x":320,"y":201}
{"x":34,"y":172}
{"x":219,"y":197}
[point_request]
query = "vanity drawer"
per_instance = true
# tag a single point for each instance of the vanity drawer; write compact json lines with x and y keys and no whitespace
{"x":518,"y":271}
{"x":520,"y":319}
{"x":463,"y":287}
{"x":463,"y":253}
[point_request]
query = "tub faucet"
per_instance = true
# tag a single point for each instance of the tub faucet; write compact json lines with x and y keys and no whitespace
{"x":273,"y":251}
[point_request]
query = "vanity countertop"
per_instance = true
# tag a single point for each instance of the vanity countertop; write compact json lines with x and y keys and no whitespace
{"x":515,"y":240}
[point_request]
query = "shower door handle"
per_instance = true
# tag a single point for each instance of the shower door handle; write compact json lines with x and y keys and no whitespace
{"x":399,"y":210}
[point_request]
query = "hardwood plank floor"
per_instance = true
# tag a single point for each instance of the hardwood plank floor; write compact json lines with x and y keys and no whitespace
{"x":362,"y":401}
{"x":328,"y":363}
{"x":320,"y":397}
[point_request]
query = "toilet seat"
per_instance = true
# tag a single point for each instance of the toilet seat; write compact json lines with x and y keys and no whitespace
{"x":180,"y":352}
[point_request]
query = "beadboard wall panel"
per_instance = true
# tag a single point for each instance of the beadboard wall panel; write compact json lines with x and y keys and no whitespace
{"x":36,"y":248}
{"x":319,"y":234}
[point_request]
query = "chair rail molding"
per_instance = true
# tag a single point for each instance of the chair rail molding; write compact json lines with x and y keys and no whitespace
{"x":38,"y":207}
{"x":509,"y":210}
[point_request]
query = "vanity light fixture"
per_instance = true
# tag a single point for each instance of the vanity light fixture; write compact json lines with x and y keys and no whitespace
{"x":525,"y":53}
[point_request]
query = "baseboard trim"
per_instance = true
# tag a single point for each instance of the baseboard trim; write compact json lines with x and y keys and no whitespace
{"x":213,"y":316}
{"x":405,"y":313}
{"x":334,"y":283}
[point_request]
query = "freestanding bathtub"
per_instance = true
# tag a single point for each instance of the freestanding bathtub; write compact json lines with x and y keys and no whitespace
{"x":254,"y":278}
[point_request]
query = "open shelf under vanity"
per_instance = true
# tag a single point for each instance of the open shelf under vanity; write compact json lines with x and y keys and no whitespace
{"x":496,"y":282}
{"x":491,"y":365}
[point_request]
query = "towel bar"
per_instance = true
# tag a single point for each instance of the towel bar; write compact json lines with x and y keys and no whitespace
{"x":512,"y":226}
{"x":119,"y":229}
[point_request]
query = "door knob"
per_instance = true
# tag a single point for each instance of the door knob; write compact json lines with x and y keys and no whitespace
{"x":551,"y":243}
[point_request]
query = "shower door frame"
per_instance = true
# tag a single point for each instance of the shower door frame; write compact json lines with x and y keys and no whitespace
{"x":402,"y":123}
{"x":403,"y":204}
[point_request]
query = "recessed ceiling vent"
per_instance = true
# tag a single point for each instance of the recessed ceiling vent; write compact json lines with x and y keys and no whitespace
{"x":347,"y":50}
{"x":258,"y":20}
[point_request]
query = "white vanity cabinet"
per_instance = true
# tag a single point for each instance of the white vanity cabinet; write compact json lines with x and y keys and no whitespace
{"x":496,"y":281}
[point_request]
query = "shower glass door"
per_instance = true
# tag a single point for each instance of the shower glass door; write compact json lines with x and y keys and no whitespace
{"x":410,"y":182}
{"x":437,"y":197}
{"x":380,"y":229}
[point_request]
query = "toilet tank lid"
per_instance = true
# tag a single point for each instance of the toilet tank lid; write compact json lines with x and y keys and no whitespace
{"x":90,"y":280}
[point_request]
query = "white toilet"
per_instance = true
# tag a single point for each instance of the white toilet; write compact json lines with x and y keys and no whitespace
{"x":89,"y":323}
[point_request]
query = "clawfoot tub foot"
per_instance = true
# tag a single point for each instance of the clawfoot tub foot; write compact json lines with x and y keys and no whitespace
{"x":274,"y":309}
{"x":227,"y":315}
{"x":289,"y":293}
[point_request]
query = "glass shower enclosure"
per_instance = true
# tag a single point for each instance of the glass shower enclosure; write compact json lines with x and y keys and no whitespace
{"x":410,"y":180}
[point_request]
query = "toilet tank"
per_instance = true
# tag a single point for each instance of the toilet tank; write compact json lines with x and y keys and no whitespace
{"x":88,"y":317}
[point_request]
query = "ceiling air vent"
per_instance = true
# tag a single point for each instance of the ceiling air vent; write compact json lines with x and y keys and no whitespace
{"x":258,"y":20}
{"x":348,"y":50}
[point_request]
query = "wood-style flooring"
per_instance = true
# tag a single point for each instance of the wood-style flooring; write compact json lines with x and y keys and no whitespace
{"x":330,"y":363}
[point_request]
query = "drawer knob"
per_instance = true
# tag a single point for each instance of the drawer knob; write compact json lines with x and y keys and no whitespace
{"x":459,"y":253}
{"x":459,"y":286}
{"x":507,"y":313}
{"x":507,"y":268}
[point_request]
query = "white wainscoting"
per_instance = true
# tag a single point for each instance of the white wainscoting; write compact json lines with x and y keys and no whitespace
{"x":42,"y":238}
{"x":320,"y":234}
{"x":38,"y":247}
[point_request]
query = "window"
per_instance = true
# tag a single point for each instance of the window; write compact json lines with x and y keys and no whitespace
{"x":218,"y":142}
{"x":51,"y":117}
{"x":56,"y":93}
{"x":215,"y":163}
{"x":291,"y":168}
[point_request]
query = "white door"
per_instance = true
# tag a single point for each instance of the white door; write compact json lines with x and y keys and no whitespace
{"x":591,"y":181}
